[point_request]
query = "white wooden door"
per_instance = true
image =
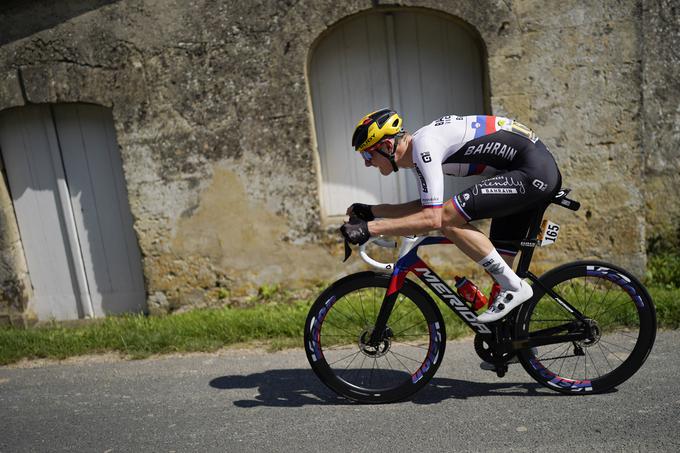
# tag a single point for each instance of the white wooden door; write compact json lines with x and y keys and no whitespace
{"x":419,"y":63}
{"x":65,"y":176}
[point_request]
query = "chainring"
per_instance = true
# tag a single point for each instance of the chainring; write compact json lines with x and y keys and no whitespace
{"x":485,"y":347}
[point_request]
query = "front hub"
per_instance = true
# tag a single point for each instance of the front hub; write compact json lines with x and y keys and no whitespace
{"x":378,"y":349}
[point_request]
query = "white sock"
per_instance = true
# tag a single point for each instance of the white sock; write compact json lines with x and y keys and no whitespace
{"x":500,"y":271}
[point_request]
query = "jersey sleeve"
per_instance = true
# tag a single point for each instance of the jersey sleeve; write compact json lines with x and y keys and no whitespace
{"x":428,"y":171}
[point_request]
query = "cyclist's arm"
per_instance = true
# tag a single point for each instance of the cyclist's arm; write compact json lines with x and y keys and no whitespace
{"x":422,"y":221}
{"x":391,"y":211}
{"x":419,"y":216}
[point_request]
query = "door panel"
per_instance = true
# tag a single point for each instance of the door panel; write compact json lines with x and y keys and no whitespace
{"x":28,"y":143}
{"x":66,"y":181}
{"x":99,"y":199}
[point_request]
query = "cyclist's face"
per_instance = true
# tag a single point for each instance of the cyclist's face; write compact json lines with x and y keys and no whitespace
{"x":373,"y":158}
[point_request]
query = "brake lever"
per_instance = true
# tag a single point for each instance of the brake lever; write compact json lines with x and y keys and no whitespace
{"x":348,"y":251}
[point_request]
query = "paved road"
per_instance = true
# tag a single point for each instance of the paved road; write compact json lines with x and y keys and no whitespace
{"x":254,"y":401}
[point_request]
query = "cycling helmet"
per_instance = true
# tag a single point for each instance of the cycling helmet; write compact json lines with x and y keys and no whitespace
{"x":374,"y":127}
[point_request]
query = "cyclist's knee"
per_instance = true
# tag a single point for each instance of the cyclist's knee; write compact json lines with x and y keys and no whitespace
{"x":451,"y":218}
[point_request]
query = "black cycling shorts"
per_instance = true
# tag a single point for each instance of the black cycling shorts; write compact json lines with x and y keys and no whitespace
{"x":512,"y":197}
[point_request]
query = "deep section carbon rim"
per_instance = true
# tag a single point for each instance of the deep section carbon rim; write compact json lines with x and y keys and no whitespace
{"x":339,"y":328}
{"x":620,"y":317}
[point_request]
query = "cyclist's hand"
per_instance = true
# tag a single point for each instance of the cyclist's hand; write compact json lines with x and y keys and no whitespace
{"x":355,"y":231}
{"x":361,"y":211}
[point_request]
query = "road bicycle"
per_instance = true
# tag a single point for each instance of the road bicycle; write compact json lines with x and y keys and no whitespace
{"x":378,"y":337}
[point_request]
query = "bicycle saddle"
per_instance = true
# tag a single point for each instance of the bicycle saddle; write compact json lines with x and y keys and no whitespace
{"x":562,"y":200}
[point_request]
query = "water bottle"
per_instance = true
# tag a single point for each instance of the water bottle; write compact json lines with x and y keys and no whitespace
{"x":469,"y":292}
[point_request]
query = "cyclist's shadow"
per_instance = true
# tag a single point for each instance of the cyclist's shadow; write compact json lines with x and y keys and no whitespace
{"x":301,"y":387}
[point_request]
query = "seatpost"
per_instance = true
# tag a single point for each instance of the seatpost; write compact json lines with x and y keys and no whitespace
{"x":529,"y":244}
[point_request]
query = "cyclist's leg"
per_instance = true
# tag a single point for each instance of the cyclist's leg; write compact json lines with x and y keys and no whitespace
{"x":504,"y":195}
{"x":465,"y":236}
{"x":479,"y":248}
{"x":509,"y":228}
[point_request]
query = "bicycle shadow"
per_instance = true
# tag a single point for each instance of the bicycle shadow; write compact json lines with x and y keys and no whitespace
{"x":301,"y":387}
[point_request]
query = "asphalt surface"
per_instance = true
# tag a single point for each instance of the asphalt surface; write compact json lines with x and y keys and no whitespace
{"x":254,"y":401}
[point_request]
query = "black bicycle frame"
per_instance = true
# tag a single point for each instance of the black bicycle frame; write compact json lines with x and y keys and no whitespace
{"x":411,"y":262}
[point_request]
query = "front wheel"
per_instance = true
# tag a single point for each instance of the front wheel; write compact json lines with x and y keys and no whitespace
{"x":619,"y":317}
{"x":339,"y":327}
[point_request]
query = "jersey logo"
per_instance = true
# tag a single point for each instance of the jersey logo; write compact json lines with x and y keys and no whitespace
{"x":540,"y":185}
{"x":494,"y":148}
{"x":423,"y":184}
{"x":443,"y":120}
{"x":426,"y":156}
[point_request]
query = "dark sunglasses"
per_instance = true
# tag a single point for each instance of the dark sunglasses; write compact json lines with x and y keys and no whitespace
{"x":366,"y":154}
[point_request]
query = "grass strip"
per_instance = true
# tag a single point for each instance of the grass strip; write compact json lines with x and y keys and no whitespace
{"x":139,"y":336}
{"x":278,"y":325}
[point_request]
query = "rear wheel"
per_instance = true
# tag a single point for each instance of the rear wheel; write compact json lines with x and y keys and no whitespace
{"x":339,"y":327}
{"x":620,"y":317}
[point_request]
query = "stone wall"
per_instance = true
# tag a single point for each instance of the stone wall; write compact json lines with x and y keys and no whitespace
{"x":211,"y":107}
{"x":661,"y":119}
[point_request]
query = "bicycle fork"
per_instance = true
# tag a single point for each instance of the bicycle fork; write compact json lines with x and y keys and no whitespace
{"x":380,"y":327}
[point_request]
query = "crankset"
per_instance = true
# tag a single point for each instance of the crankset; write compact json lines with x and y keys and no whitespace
{"x":488,"y":350}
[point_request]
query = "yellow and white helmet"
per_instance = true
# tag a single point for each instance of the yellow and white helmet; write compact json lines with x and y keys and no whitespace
{"x":374,"y":127}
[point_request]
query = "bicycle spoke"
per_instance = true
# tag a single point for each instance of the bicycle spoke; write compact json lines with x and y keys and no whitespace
{"x":573,"y":373}
{"x":623,"y":303}
{"x":635,"y":337}
{"x":411,"y":345}
{"x":340,"y":311}
{"x":559,"y":345}
{"x":601,"y":304}
{"x":363,"y":312}
{"x":399,"y":360}
{"x":346,"y":357}
{"x":351,"y":306}
{"x":405,"y":356}
{"x":563,"y":360}
{"x":394,"y":323}
{"x":593,"y":362}
{"x":604,"y":355}
{"x":350,"y":334}
{"x":370,"y":376}
{"x":616,"y":345}
{"x":408,"y":328}
{"x":603,"y":307}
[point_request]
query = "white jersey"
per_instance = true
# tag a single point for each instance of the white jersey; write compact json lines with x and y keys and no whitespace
{"x":464,"y":146}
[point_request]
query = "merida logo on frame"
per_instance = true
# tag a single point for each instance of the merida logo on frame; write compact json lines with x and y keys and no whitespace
{"x":443,"y":290}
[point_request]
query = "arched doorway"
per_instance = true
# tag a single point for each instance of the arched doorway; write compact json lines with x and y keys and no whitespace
{"x":421,"y":63}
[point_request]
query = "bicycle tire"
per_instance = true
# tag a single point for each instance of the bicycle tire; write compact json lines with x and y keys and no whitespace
{"x":341,"y":319}
{"x":622,"y":312}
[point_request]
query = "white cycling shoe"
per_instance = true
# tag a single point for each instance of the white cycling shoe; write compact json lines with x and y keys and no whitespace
{"x":505,"y":302}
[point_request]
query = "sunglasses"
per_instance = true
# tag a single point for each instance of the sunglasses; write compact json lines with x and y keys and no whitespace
{"x":368,"y":156}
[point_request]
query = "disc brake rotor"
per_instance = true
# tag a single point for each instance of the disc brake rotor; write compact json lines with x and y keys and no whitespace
{"x":595,"y":332}
{"x":377,"y":350}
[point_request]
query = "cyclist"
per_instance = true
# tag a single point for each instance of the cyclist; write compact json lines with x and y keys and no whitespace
{"x":521,"y":175}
